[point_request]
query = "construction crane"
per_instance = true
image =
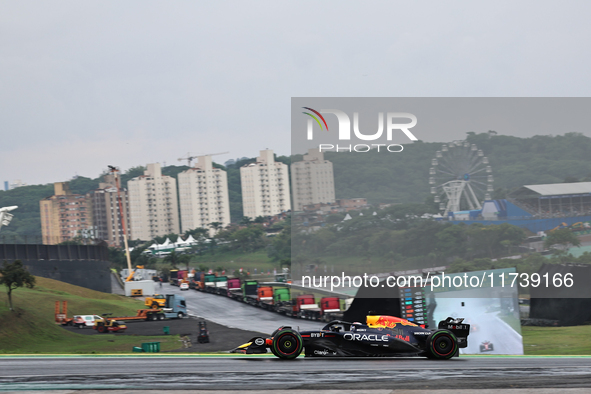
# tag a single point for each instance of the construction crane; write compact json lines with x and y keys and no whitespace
{"x":190,"y":158}
{"x":115,"y":171}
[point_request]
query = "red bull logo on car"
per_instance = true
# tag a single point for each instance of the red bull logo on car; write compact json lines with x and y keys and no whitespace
{"x":387,"y":321}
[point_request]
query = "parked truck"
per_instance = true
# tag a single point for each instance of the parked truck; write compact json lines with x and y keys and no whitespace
{"x":175,"y":307}
{"x":208,"y":283}
{"x":221,"y":284}
{"x":304,"y":306}
{"x":331,"y":308}
{"x":249,"y":292}
{"x":233,"y":288}
{"x":176,"y":276}
{"x":173,"y":278}
{"x":265,"y":297}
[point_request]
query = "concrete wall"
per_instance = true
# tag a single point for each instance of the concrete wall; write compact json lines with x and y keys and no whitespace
{"x":91,"y":274}
{"x":80,"y":265}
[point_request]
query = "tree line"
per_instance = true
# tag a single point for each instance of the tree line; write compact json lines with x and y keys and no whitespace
{"x":379,"y":177}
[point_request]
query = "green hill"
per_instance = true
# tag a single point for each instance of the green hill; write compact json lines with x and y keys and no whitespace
{"x":379,"y":177}
{"x":31,"y":328}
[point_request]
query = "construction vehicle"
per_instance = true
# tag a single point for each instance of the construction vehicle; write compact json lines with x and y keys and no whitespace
{"x":158,"y":301}
{"x":142,"y":314}
{"x":560,"y":226}
{"x":203,"y":332}
{"x":61,"y":314}
{"x":108,"y":325}
{"x":168,"y":306}
{"x":132,"y":272}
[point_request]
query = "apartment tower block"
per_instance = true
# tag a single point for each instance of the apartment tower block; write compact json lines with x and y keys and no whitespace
{"x":153,"y":206}
{"x":203,"y":195}
{"x":265,"y":186}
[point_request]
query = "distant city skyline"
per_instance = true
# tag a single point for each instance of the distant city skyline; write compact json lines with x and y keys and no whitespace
{"x":90,"y":84}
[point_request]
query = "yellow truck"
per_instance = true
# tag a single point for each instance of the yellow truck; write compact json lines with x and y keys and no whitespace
{"x":156,"y":302}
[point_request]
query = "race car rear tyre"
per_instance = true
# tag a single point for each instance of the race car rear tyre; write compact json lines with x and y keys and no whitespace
{"x":441,"y":345}
{"x":102,"y":329}
{"x":287,"y":344}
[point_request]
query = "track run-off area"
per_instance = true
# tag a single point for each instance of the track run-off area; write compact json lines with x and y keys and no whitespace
{"x":265,"y":372}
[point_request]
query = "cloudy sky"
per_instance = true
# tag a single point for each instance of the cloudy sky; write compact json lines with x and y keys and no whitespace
{"x":88,"y":84}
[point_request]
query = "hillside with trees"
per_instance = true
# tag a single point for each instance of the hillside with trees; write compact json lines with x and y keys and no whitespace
{"x":379,"y":177}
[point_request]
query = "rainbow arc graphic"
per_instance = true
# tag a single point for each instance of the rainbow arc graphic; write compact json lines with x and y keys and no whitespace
{"x":315,"y":118}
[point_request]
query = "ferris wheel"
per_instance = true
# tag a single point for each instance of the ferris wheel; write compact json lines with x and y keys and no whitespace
{"x":460,"y":177}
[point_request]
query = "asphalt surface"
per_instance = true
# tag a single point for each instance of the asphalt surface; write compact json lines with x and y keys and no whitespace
{"x":268,"y":373}
{"x":236,"y":314}
{"x":221,"y":338}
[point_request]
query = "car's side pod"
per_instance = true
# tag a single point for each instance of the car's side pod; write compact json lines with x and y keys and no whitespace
{"x":458,"y":328}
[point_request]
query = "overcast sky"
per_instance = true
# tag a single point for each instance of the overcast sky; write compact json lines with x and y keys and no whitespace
{"x":88,"y":84}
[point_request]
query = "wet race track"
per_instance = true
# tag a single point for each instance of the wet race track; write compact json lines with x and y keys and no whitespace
{"x":263,"y":372}
{"x":239,"y":372}
{"x":235,"y":314}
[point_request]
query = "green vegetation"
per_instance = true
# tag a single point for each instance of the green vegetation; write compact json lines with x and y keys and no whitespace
{"x":14,"y":275}
{"x":31,"y":327}
{"x":538,"y":341}
{"x":379,"y":177}
{"x":565,"y":238}
{"x":396,"y":238}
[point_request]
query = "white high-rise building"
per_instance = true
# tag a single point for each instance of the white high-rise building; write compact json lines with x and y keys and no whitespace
{"x":265,"y":186}
{"x":153,"y":207}
{"x":203,"y":195}
{"x":312,"y":180}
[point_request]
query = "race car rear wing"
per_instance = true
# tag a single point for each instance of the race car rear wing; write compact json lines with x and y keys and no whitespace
{"x":458,"y":328}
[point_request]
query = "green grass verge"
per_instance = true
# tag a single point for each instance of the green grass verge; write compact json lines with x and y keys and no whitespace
{"x":557,"y":340}
{"x":31,"y":328}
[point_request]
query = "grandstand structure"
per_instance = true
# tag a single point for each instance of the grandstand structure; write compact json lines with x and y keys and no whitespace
{"x":554,"y":200}
{"x":536,"y":207}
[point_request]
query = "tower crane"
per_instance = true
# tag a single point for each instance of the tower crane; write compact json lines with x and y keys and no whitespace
{"x":190,"y":158}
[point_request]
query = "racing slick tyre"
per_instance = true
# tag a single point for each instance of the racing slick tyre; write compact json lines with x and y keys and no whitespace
{"x":287,"y":344}
{"x":102,"y":329}
{"x":273,"y":350}
{"x":155,"y":305}
{"x":441,"y":345}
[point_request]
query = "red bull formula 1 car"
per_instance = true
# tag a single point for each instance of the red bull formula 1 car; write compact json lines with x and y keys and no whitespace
{"x":381,"y":336}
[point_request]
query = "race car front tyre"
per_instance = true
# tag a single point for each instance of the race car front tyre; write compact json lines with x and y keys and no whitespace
{"x":441,"y":345}
{"x":287,"y":344}
{"x":272,"y":347}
